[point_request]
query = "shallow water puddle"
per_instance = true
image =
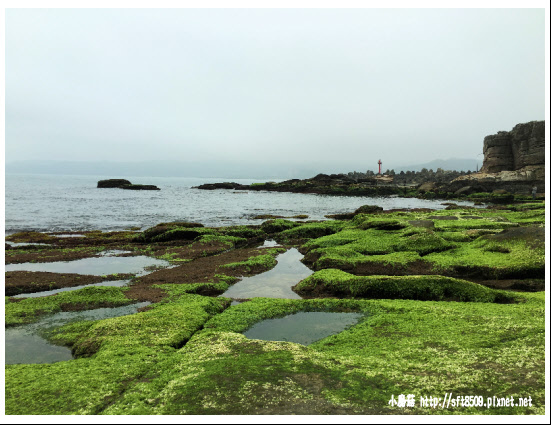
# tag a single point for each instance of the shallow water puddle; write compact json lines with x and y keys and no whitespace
{"x":275,"y":283}
{"x":117,"y":283}
{"x":270,"y":244}
{"x":16,"y":244}
{"x":97,"y":266}
{"x":303,"y":328}
{"x":25,"y":344}
{"x":113,"y":252}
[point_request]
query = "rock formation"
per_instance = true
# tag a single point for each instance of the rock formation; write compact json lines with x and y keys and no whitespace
{"x":524,"y":146}
{"x":124,"y":184}
{"x":514,"y":161}
{"x":110,"y":183}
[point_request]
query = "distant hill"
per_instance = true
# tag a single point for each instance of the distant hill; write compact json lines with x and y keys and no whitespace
{"x":454,"y":164}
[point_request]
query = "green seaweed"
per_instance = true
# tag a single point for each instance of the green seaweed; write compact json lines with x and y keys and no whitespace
{"x":242,"y":231}
{"x":402,"y":347}
{"x":29,"y":309}
{"x":427,"y":288}
{"x":492,"y":259}
{"x":278,"y":225}
{"x":312,"y":230}
{"x":228,"y":241}
{"x":186,"y":354}
{"x":265,"y":262}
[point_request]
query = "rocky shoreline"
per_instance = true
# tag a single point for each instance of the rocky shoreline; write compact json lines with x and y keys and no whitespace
{"x":514,"y":163}
{"x":457,"y":293}
{"x":478,"y":189}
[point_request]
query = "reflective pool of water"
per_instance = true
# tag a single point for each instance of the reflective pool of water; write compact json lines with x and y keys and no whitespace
{"x":275,"y":283}
{"x":118,"y":283}
{"x":270,"y":244}
{"x":303,"y":328}
{"x":98,"y":266}
{"x":16,"y":244}
{"x":27,"y":343}
{"x":113,"y":252}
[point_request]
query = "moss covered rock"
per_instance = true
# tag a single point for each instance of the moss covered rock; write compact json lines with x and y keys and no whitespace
{"x":427,"y":288}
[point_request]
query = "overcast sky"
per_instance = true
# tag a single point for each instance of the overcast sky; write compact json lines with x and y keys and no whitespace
{"x":269,"y":85}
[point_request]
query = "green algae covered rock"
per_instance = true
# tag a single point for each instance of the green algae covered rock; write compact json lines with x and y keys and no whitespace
{"x":333,"y":282}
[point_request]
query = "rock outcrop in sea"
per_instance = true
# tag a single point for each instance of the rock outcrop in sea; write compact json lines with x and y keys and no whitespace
{"x":111,"y":183}
{"x":124,"y":184}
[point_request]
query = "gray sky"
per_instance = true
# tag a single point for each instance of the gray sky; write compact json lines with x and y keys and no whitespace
{"x":269,"y":85}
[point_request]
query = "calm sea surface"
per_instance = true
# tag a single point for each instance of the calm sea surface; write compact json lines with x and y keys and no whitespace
{"x":49,"y":203}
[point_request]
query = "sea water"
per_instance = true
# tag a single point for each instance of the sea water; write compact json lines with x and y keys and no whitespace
{"x":60,"y":203}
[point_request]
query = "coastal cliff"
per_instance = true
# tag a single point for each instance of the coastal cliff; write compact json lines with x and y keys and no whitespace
{"x":523,"y":146}
{"x":514,"y":161}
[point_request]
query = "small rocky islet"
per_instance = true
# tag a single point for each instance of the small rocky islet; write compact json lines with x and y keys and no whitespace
{"x":124,"y":184}
{"x":450,"y":300}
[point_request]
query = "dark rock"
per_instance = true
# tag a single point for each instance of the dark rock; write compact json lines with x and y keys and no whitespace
{"x":321,"y":177}
{"x":346,"y":216}
{"x":140,"y":187}
{"x":534,"y":236}
{"x":382,"y":224}
{"x":224,"y":185}
{"x":529,"y":285}
{"x":148,"y":234}
{"x":177,"y":235}
{"x":110,"y":183}
{"x":459,"y":207}
{"x":124,"y":184}
{"x":266,"y":217}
